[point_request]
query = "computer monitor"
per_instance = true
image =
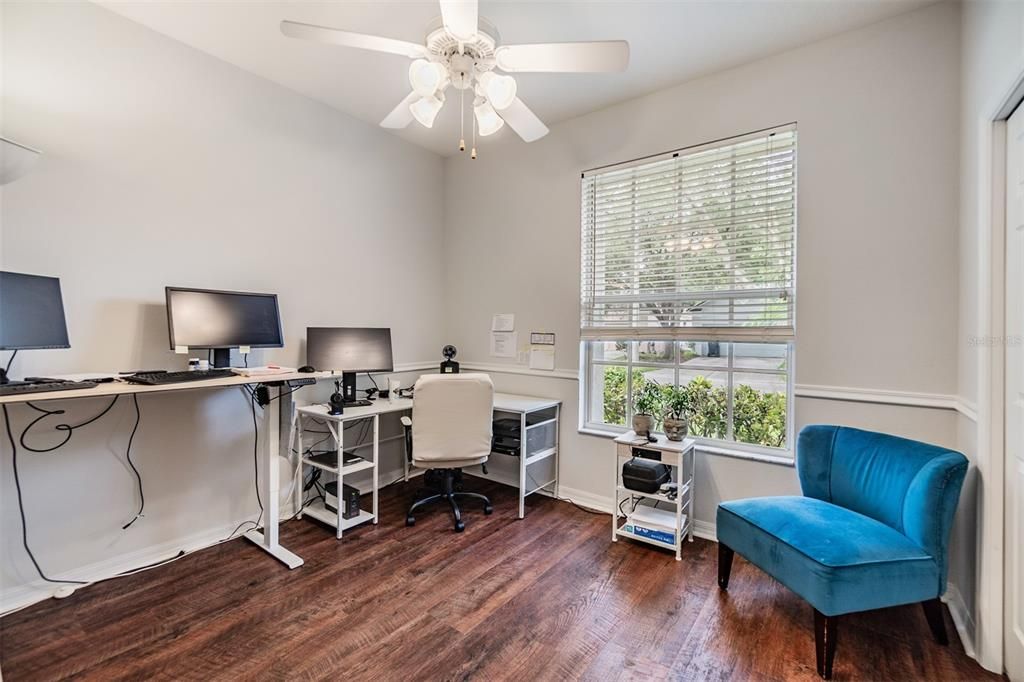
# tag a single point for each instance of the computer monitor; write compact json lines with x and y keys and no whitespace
{"x":31,"y":314}
{"x":222,"y":320}
{"x":349,"y":350}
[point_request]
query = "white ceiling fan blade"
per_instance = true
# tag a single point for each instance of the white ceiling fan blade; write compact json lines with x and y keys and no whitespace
{"x":334,"y":36}
{"x":400,"y":116}
{"x":591,"y":57}
{"x":460,"y":18}
{"x":526,"y":124}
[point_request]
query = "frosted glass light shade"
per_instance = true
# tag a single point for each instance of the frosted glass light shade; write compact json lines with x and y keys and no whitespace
{"x":499,"y":90}
{"x":487,"y":120}
{"x":426,"y":77}
{"x":425,"y":110}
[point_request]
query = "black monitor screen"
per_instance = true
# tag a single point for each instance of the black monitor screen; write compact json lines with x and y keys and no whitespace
{"x":198,"y":318}
{"x":31,"y":312}
{"x":349,"y":349}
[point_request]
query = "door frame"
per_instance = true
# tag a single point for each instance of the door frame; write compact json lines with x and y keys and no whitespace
{"x":991,"y":371}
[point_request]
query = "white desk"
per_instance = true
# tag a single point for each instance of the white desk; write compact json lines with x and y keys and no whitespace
{"x":267,"y":539}
{"x":536,"y":416}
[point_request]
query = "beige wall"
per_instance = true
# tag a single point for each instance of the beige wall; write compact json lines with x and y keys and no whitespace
{"x":164,"y":166}
{"x":877,"y":115}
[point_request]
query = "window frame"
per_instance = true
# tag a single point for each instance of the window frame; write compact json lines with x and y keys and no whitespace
{"x":725,"y":446}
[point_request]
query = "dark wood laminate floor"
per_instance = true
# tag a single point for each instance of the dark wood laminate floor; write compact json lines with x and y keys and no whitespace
{"x":548,"y":598}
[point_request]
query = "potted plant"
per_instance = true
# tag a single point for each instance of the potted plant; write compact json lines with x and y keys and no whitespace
{"x":677,"y":412}
{"x":647,"y":401}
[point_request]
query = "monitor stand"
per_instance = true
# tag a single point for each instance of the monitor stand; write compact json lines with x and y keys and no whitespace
{"x":3,"y":376}
{"x":222,"y":358}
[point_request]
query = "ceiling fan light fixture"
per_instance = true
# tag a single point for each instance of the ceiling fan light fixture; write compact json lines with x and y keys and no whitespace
{"x":426,"y":77}
{"x":499,"y":90}
{"x":425,"y":110}
{"x":487,"y":120}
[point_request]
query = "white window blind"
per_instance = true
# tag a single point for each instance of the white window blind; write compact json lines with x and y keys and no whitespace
{"x":696,"y":244}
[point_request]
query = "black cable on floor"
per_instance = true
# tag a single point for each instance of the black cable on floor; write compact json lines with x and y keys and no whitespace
{"x":128,"y":456}
{"x":21,"y":506}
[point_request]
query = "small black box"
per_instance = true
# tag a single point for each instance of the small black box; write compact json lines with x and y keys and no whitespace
{"x":644,"y":475}
{"x":350,"y":498}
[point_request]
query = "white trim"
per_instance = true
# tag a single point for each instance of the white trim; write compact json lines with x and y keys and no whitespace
{"x":585,"y":499}
{"x":962,"y":618}
{"x":939,"y":401}
{"x":567,"y":374}
{"x":877,"y":395}
{"x":21,"y":596}
{"x":414,"y":367}
{"x":967,"y":409}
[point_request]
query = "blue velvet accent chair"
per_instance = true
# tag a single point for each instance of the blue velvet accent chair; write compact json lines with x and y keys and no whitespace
{"x":870,"y":531}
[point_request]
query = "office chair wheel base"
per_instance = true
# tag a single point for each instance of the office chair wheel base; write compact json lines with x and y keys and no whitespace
{"x":488,"y":509}
{"x":459,"y":526}
{"x":410,"y":521}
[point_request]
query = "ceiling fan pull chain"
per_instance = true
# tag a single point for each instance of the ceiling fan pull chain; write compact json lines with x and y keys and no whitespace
{"x":472,"y":154}
{"x":462,"y":121}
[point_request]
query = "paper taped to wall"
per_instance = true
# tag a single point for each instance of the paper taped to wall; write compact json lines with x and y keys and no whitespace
{"x":503,"y":344}
{"x":503,"y":322}
{"x":542,"y":358}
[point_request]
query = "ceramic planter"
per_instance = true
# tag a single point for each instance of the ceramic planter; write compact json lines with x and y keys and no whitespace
{"x":642,"y":424}
{"x":676,"y":429}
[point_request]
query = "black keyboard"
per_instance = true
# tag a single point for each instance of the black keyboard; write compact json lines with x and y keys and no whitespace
{"x":22,"y":387}
{"x":159,"y":378}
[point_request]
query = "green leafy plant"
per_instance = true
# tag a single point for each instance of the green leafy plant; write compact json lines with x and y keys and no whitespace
{"x":647,"y":397}
{"x":677,"y":402}
{"x":759,"y":417}
{"x":614,"y":395}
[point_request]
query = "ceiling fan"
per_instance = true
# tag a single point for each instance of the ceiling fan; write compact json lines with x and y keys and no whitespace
{"x":461,"y":51}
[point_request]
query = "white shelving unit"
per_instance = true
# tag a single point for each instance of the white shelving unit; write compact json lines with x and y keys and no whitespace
{"x":336,"y":427}
{"x":679,"y":455}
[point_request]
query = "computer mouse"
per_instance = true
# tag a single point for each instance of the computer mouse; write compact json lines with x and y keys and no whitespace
{"x":307,"y":369}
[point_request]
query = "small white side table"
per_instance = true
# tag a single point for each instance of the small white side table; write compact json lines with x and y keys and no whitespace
{"x":676,"y":454}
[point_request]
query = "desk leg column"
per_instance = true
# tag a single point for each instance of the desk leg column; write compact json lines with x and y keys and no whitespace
{"x":693,"y":487}
{"x":679,"y":506}
{"x":523,"y":454}
{"x":298,"y":476}
{"x":376,"y":464}
{"x":270,"y":483}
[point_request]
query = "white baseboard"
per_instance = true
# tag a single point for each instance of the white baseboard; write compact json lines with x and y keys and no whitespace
{"x":585,"y":499}
{"x":14,"y":598}
{"x":962,"y":618}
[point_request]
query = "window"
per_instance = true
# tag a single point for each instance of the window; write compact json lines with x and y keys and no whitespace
{"x":688,"y":271}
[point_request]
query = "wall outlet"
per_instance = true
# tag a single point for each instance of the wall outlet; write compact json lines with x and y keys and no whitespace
{"x":522,"y":357}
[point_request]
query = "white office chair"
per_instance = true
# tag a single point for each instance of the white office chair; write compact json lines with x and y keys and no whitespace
{"x":451,"y":429}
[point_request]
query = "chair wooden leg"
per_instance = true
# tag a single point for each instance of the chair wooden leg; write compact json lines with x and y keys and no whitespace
{"x":825,"y":642}
{"x":933,"y":612}
{"x":725,"y":555}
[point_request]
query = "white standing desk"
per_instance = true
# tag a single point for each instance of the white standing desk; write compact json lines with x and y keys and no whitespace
{"x":267,"y":539}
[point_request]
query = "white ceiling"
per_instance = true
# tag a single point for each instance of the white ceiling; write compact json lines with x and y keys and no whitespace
{"x":670,"y":42}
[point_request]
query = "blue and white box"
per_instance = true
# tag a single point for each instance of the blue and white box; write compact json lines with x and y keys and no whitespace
{"x":653,"y":523}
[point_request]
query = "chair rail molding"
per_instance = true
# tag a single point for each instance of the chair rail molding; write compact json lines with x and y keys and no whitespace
{"x":879,"y":396}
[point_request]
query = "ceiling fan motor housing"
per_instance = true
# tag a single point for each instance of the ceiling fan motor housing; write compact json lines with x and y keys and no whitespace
{"x":463,"y":59}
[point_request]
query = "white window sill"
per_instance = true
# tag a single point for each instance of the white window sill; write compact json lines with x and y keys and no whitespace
{"x":708,"y":449}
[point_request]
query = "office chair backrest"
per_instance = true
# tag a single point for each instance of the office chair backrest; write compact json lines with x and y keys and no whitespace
{"x":451,"y":419}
